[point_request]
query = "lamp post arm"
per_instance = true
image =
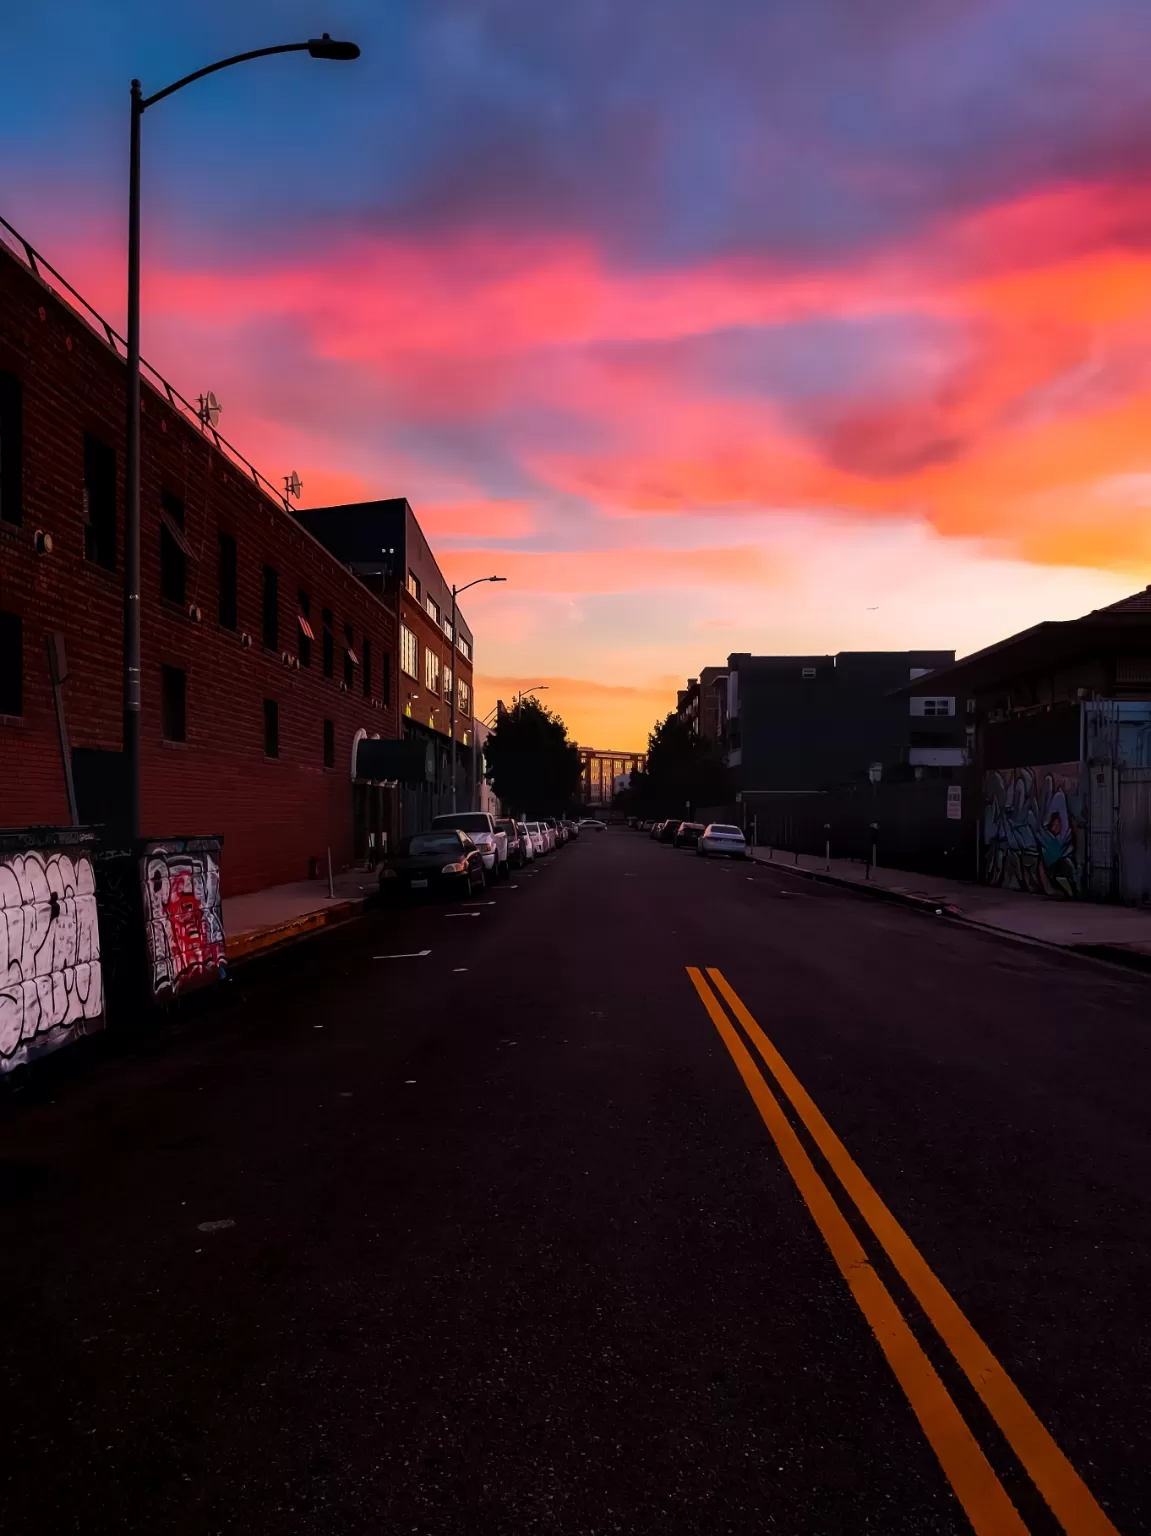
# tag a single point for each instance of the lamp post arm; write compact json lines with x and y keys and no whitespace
{"x":210,"y":69}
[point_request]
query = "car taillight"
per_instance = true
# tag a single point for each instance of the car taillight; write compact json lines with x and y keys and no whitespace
{"x":455,"y":869}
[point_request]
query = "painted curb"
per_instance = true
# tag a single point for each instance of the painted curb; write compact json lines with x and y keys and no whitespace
{"x":243,"y":946}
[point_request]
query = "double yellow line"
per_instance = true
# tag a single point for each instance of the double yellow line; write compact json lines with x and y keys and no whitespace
{"x":970,"y":1474}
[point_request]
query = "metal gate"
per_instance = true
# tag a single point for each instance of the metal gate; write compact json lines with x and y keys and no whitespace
{"x":1134,"y":834}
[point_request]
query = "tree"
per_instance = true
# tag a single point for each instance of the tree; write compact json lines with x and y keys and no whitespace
{"x":532,"y":766}
{"x":682,"y":769}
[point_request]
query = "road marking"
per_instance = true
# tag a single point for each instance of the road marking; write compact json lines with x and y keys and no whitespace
{"x":461,"y":914}
{"x":415,"y":954}
{"x":480,"y":903}
{"x":1068,"y":1496}
{"x":967,"y":1469}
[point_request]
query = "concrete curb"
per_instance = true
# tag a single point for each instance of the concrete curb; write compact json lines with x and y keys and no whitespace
{"x":244,"y":946}
{"x":1108,"y":954}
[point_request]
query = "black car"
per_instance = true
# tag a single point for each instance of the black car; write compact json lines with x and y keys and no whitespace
{"x":439,"y":863}
{"x":668,"y":830}
{"x":687,"y":834}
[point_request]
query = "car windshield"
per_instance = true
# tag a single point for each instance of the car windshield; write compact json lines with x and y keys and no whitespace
{"x":431,"y":842}
{"x":506,"y":826}
{"x":692,"y":826}
{"x":466,"y":821}
{"x":726,"y":831}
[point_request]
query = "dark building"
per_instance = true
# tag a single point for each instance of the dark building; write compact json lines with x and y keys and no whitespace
{"x":261,"y":653}
{"x":383,"y":545}
{"x":817,"y":722}
{"x":702,"y":705}
{"x":1061,"y":720}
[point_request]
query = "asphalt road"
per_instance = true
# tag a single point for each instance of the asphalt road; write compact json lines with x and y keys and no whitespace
{"x":526,"y":1235}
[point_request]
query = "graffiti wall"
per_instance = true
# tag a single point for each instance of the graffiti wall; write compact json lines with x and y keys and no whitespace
{"x":51,"y":986}
{"x":1034,"y":829}
{"x":183,"y":916}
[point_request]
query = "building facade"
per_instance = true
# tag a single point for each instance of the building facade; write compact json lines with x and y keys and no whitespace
{"x":603,"y":775}
{"x":815,"y":722}
{"x":383,"y":545}
{"x":702,"y":705}
{"x":263,"y":659}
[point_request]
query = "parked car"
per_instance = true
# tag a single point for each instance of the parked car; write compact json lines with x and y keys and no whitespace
{"x":516,"y":856}
{"x":444,"y":862}
{"x":720,"y":839}
{"x":687,"y":834}
{"x":668,"y":830}
{"x":590,"y":824}
{"x":538,"y":837}
{"x":549,"y":833}
{"x":573,"y":828}
{"x":655,"y":828}
{"x":557,"y":830}
{"x":527,"y":842}
{"x":481,"y":828}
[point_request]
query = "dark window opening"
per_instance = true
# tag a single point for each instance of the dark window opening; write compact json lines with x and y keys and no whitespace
{"x":271,"y":728}
{"x":11,"y":664}
{"x":328,"y":644}
{"x":99,"y":503}
{"x":367,"y":661}
{"x":349,"y":656}
{"x":173,"y":549}
{"x":386,"y":681}
{"x":11,"y":449}
{"x":329,"y":744}
{"x":173,"y":704}
{"x":304,"y":628}
{"x":228,"y":618}
{"x":271,"y":608}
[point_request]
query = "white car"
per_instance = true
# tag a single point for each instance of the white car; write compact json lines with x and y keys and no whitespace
{"x":719,"y":838}
{"x":539,"y":841}
{"x":482,"y":830}
{"x":527,"y":841}
{"x":590,"y":824}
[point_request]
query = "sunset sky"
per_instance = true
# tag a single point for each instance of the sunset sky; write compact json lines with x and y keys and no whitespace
{"x":757,"y":325}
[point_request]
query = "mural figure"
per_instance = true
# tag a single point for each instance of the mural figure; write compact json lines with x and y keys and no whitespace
{"x":1034,"y":831}
{"x":184,"y":918}
{"x":51,"y":984}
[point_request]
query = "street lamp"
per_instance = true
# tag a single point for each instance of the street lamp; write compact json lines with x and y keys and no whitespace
{"x":535,"y":688}
{"x":455,"y":682}
{"x":319,"y":48}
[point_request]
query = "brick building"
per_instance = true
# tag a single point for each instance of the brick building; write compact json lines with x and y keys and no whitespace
{"x":382,"y":543}
{"x":262,"y":656}
{"x":603,"y":774}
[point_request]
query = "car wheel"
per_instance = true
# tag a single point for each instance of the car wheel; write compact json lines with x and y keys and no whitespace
{"x":505,"y":870}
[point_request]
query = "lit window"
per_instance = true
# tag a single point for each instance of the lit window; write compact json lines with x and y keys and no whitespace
{"x":433,"y":609}
{"x":413,"y":585}
{"x":463,"y":697}
{"x":409,"y":656}
{"x":447,"y":683}
{"x":431,"y":670}
{"x":465,"y":647}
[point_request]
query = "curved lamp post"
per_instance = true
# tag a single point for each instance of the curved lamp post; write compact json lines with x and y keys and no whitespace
{"x":319,"y":48}
{"x":455,"y":680}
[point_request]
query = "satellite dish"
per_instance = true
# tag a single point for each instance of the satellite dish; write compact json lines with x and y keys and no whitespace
{"x":293,"y":485}
{"x":210,"y":408}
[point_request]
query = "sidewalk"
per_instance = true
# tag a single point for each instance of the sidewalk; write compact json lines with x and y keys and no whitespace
{"x":264,"y":919}
{"x":1091,"y":927}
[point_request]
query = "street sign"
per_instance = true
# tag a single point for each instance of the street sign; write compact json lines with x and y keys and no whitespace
{"x":955,"y":802}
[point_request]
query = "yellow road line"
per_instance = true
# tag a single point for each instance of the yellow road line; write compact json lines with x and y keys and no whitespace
{"x":1068,"y":1496}
{"x":967,"y":1469}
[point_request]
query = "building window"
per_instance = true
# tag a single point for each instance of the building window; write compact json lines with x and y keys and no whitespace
{"x":349,"y":656}
{"x":808,"y":672}
{"x":938,"y":707}
{"x":433,"y":609}
{"x":447,"y":682}
{"x":11,"y":449}
{"x":174,"y":549}
{"x":228,"y":618}
{"x":413,"y":585}
{"x":328,"y":644}
{"x":367,"y":667}
{"x":431,"y":670}
{"x":304,"y":633}
{"x":465,"y":647}
{"x":173,"y":704}
{"x":329,"y":744}
{"x":271,"y":608}
{"x":271,"y":728}
{"x":99,"y":502}
{"x":409,"y":654}
{"x":386,"y":683}
{"x":11,"y":664}
{"x":464,"y":697}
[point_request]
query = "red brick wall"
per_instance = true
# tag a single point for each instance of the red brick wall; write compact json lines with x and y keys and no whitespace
{"x":275,"y":814}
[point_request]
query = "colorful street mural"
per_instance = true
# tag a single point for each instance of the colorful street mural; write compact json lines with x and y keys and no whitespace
{"x":184,"y":918}
{"x":1034,"y":829}
{"x":51,"y":988}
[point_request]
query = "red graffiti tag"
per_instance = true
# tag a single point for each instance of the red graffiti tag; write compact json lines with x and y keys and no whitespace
{"x":186,"y":926}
